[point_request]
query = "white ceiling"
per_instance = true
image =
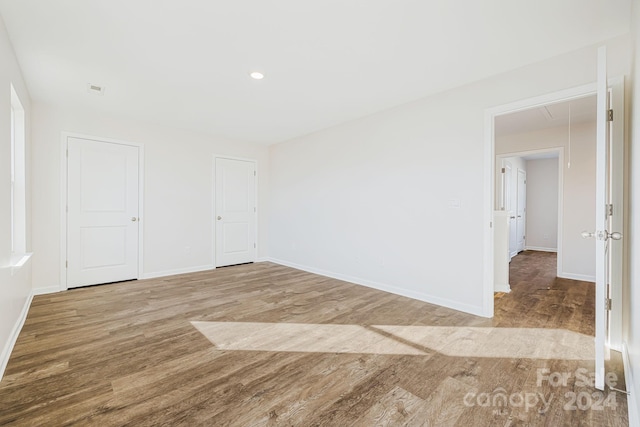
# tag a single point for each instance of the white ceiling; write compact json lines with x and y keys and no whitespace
{"x":576,"y":111}
{"x":186,"y":62}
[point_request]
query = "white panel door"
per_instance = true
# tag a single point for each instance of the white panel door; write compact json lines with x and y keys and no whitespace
{"x":235,"y":211}
{"x":521,"y":210}
{"x":102,"y":217}
{"x":602,"y":216}
{"x":510,"y":208}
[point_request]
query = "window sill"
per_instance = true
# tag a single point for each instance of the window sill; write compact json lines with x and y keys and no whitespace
{"x":19,"y":260}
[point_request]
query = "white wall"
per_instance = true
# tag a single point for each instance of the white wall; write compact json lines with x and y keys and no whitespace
{"x":15,"y":283}
{"x":178,"y":193}
{"x":375,"y":200}
{"x":542,"y":204}
{"x":577,"y":257}
{"x":632,"y":292}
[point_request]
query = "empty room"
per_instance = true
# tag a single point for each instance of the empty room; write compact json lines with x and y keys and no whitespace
{"x":290,"y":213}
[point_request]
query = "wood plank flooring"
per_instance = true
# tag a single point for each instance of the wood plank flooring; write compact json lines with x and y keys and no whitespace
{"x":237,"y":347}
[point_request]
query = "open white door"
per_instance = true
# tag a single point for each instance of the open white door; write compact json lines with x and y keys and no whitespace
{"x":601,"y":234}
{"x":609,"y":207}
{"x":507,"y":205}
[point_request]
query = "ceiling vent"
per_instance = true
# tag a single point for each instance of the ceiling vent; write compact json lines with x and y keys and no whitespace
{"x":95,"y":89}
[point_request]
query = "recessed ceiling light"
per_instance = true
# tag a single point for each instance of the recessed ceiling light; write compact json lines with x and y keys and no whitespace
{"x":256,"y":75}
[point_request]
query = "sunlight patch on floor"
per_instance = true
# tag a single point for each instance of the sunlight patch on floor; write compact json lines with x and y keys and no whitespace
{"x":397,"y":339}
{"x":301,"y":337}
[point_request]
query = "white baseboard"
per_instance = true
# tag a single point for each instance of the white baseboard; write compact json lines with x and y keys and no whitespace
{"x":47,"y":290}
{"x":156,"y":274}
{"x":13,"y":337}
{"x":581,"y":277}
{"x":262,"y":259}
{"x":634,"y":410}
{"x":466,"y":308}
{"x":502,"y":287}
{"x":540,"y":249}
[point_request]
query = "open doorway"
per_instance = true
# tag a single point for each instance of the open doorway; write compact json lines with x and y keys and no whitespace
{"x":545,"y":180}
{"x":498,"y":256}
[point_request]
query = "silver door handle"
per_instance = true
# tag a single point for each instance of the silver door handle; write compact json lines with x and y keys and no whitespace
{"x":134,"y":219}
{"x":615,"y":235}
{"x":602,"y":235}
{"x":519,"y":216}
{"x":512,"y":217}
{"x":219,"y":217}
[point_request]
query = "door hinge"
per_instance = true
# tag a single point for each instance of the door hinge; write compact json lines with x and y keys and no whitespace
{"x":254,"y":173}
{"x":610,"y":115}
{"x":254,"y":246}
{"x":504,"y":170}
{"x":607,"y":304}
{"x":66,"y":264}
{"x":610,"y":209}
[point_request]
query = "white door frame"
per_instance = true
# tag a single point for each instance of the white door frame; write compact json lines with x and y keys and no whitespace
{"x":519,"y":199}
{"x":489,"y":174}
{"x":214,"y":201}
{"x":64,"y":196}
{"x":560,"y":152}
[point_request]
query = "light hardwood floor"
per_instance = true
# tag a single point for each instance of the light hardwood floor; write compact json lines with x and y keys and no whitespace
{"x":263,"y":344}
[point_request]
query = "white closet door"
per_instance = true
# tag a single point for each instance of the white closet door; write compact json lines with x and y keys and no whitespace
{"x":102,"y":217}
{"x":235,"y":211}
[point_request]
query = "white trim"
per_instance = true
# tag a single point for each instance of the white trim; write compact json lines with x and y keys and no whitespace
{"x":619,"y":250}
{"x":263,"y":259}
{"x":580,"y":277}
{"x":63,"y":211}
{"x":632,"y":408}
{"x":524,"y":209}
{"x":540,"y":249}
{"x":176,"y":271}
{"x":488,"y":285}
{"x":505,"y":288}
{"x":466,"y":308}
{"x":19,"y":260}
{"x":141,"y":218}
{"x":213,"y":212}
{"x":46,"y":290}
{"x":13,"y":337}
{"x":64,"y":136}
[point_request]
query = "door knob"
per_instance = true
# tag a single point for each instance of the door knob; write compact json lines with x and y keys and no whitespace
{"x":512,"y":217}
{"x":602,"y":235}
{"x":134,"y":219}
{"x":615,"y":235}
{"x":219,"y":217}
